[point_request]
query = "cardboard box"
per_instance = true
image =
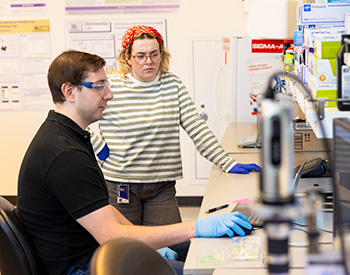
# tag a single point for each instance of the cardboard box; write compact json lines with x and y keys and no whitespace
{"x":304,"y":139}
{"x":327,"y":46}
{"x":347,"y":22}
{"x":309,"y":34}
{"x":298,"y":71}
{"x":323,"y":90}
{"x":338,"y":1}
{"x":305,"y":74}
{"x":298,"y":38}
{"x":322,"y":13}
{"x":320,"y":26}
{"x":323,"y":70}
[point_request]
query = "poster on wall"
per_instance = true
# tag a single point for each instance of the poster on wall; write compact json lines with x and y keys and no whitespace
{"x":258,"y":70}
{"x":120,"y":6}
{"x":103,"y":37}
{"x":11,"y":8}
{"x":25,"y":55}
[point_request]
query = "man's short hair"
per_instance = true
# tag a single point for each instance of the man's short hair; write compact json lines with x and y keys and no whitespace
{"x":71,"y":67}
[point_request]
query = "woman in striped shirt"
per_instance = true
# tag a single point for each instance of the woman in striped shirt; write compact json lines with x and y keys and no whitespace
{"x":139,"y":143}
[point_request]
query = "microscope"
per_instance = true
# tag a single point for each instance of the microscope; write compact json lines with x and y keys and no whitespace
{"x":277,"y":197}
{"x":279,"y":207}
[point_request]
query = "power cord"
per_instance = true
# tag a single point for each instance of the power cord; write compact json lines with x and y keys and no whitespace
{"x":305,"y":225}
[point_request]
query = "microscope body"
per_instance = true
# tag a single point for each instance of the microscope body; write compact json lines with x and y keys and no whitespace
{"x":277,"y":155}
{"x":277,"y":196}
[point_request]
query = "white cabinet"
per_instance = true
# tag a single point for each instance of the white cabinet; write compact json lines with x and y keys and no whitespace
{"x":211,"y":97}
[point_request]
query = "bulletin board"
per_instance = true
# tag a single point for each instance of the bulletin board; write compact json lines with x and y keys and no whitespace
{"x":103,"y":37}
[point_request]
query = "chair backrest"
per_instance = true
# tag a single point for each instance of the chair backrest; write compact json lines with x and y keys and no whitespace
{"x":128,"y":256}
{"x":17,"y":253}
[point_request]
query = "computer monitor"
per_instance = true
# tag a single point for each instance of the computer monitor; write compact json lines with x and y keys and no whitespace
{"x":341,"y":178}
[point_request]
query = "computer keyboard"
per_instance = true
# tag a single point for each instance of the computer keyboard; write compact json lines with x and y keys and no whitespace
{"x":247,"y":142}
{"x":254,"y":219}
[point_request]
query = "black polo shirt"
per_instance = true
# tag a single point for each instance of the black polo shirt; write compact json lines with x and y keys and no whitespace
{"x":59,"y":182}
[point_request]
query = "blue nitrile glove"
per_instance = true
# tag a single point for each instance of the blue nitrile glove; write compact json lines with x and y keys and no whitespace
{"x":104,"y":153}
{"x":225,"y":224}
{"x":167,"y":253}
{"x":245,"y":168}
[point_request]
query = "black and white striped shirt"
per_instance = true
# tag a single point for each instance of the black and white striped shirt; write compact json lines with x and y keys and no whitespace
{"x":141,"y":127}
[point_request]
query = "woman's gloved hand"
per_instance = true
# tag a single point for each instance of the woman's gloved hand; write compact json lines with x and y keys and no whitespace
{"x":167,"y":253}
{"x":225,"y":224}
{"x":245,"y":168}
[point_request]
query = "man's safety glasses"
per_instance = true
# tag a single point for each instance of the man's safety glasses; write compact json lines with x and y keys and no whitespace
{"x":100,"y":85}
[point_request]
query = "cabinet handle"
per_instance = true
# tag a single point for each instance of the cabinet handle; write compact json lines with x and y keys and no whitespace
{"x":204,"y":116}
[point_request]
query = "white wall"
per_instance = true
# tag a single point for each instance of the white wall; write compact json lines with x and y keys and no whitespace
{"x":196,"y":18}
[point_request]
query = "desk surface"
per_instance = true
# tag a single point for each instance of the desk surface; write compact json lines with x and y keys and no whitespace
{"x":225,"y":188}
{"x":235,"y":132}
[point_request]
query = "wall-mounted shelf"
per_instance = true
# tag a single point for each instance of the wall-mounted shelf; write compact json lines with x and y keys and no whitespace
{"x":316,"y":115}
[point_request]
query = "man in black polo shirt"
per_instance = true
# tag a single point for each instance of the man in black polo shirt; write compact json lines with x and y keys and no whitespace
{"x":62,"y":195}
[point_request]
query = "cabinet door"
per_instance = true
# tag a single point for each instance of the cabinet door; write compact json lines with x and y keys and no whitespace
{"x":210,"y":96}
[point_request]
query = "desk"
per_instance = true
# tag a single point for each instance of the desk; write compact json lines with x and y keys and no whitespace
{"x":225,"y":188}
{"x":235,"y":132}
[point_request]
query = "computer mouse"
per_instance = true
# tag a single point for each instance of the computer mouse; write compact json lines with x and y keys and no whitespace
{"x":246,"y":231}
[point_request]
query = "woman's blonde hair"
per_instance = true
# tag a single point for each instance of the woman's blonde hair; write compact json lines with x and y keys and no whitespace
{"x":124,"y":55}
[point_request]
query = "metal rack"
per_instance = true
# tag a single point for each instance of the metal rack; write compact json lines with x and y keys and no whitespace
{"x":314,"y":109}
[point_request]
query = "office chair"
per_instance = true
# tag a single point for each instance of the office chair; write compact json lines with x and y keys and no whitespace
{"x":17,"y":253}
{"x":128,"y":256}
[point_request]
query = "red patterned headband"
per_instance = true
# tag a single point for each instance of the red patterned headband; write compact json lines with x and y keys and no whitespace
{"x":135,"y":31}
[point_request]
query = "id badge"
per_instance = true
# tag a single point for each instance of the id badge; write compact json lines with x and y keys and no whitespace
{"x":123,"y":193}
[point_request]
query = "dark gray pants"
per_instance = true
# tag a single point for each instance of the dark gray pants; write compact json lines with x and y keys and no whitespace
{"x":149,"y":203}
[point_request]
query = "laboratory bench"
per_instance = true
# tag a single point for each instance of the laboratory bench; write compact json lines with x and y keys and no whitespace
{"x":218,"y":255}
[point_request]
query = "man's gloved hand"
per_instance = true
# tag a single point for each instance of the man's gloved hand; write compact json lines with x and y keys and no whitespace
{"x":245,"y":168}
{"x":167,"y":253}
{"x":225,"y":224}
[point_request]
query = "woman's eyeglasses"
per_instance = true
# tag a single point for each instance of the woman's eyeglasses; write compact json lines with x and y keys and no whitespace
{"x":141,"y":59}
